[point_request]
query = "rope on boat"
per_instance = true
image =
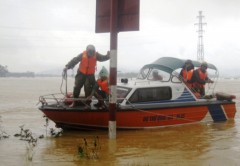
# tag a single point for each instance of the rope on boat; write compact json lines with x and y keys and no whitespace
{"x":43,"y":99}
{"x":167,"y":116}
{"x":64,"y":77}
{"x":214,"y":85}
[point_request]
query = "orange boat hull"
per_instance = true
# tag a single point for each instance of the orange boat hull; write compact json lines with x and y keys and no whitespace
{"x":140,"y":119}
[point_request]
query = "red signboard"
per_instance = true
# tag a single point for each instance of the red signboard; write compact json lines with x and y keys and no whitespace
{"x":128,"y":15}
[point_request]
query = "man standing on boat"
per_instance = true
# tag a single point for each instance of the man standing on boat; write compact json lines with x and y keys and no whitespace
{"x":200,"y":78}
{"x":85,"y":74}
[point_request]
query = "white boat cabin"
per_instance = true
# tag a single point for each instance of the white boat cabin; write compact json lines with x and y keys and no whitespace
{"x":160,"y":82}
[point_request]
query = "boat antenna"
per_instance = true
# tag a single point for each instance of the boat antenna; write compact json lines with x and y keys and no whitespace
{"x":200,"y":47}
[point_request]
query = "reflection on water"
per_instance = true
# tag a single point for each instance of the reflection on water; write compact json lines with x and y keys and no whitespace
{"x":195,"y":144}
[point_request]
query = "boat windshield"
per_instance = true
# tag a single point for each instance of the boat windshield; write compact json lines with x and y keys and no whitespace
{"x":122,"y":93}
{"x":143,"y":73}
{"x":153,"y":74}
{"x":158,"y":75}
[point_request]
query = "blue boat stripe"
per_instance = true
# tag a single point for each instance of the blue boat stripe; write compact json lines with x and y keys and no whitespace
{"x":217,"y":112}
{"x":185,"y":96}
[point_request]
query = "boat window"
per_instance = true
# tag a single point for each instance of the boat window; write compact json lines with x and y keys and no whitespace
{"x":151,"y":94}
{"x":176,"y":79}
{"x":122,"y":93}
{"x":143,"y":73}
{"x":158,"y":75}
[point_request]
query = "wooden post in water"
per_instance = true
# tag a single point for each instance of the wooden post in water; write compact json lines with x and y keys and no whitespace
{"x":113,"y":69}
{"x":115,"y":16}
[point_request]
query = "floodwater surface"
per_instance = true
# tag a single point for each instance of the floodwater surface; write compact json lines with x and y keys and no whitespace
{"x":195,"y":144}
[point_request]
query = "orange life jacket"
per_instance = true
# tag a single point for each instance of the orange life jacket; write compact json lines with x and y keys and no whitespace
{"x":202,"y":76}
{"x":187,"y":74}
{"x":88,"y":64}
{"x":103,"y":85}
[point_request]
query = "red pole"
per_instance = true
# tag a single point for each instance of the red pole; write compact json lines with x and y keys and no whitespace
{"x":113,"y":68}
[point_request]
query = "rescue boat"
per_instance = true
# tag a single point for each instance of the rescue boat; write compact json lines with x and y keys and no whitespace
{"x":145,"y":103}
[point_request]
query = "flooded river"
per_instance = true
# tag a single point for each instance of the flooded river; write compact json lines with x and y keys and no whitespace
{"x":196,"y":144}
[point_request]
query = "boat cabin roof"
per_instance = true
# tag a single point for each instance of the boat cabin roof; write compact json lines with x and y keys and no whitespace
{"x":170,"y":64}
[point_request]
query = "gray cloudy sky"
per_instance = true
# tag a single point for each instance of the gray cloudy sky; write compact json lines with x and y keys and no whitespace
{"x":44,"y":35}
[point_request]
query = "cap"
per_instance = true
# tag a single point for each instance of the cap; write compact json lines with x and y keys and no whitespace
{"x":90,"y":50}
{"x":188,"y":61}
{"x":204,"y":64}
{"x":103,"y":72}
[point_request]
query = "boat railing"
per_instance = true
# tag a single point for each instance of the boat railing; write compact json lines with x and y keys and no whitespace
{"x":51,"y":99}
{"x":61,"y":99}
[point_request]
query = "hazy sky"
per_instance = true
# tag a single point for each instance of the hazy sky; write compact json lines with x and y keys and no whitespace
{"x":44,"y":35}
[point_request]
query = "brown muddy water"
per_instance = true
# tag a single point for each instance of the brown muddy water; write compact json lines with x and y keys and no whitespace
{"x":195,"y":144}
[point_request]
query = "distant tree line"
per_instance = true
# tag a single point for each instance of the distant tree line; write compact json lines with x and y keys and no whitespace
{"x":127,"y":75}
{"x":3,"y":71}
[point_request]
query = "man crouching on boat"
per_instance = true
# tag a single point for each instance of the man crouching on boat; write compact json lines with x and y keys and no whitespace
{"x":200,"y":78}
{"x":101,"y":89}
{"x":88,"y":60}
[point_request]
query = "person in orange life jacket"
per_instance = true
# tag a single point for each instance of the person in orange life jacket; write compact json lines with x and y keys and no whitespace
{"x":85,"y":74}
{"x":101,"y":89}
{"x":200,"y":78}
{"x":187,"y":72}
